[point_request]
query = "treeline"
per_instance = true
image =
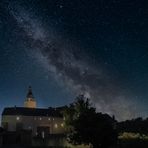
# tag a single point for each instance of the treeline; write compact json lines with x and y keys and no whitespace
{"x":137,"y":125}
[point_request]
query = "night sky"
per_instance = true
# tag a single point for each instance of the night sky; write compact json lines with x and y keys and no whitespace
{"x":63,"y":48}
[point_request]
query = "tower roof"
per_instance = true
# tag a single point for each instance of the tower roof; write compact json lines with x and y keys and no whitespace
{"x":30,"y":101}
{"x":30,"y":94}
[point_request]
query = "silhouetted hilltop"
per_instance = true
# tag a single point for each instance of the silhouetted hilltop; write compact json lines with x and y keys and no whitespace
{"x":137,"y":125}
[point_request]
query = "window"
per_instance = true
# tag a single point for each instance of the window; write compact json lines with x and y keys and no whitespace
{"x":40,"y":118}
{"x":62,"y":124}
{"x":56,"y":126}
{"x":49,"y":119}
{"x":17,"y":118}
{"x":19,"y":126}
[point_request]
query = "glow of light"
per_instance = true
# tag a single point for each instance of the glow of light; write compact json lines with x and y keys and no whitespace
{"x":62,"y":125}
{"x":56,"y":126}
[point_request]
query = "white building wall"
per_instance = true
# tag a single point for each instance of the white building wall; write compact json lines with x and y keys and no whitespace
{"x":32,"y":122}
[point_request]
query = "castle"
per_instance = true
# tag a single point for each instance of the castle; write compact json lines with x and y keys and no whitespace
{"x":41,"y":121}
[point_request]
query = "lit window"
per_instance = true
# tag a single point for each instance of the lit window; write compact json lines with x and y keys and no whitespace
{"x":17,"y":118}
{"x":56,"y":126}
{"x":62,"y":124}
{"x":49,"y":119}
{"x":40,"y":118}
{"x":53,"y":119}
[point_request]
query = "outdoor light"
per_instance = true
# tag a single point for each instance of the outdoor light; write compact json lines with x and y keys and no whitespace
{"x":62,"y":124}
{"x":17,"y":118}
{"x":56,"y":126}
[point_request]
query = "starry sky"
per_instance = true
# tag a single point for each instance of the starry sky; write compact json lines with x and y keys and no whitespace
{"x":63,"y":48}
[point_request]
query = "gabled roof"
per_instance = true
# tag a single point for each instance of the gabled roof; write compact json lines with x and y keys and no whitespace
{"x":51,"y":112}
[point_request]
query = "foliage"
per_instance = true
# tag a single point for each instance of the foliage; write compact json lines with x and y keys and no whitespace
{"x":137,"y":125}
{"x":86,"y":126}
{"x":130,"y":135}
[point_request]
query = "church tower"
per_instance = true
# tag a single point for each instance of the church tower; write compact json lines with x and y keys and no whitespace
{"x":30,"y":100}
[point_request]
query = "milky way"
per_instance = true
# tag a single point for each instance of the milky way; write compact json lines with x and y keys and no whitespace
{"x":70,"y":64}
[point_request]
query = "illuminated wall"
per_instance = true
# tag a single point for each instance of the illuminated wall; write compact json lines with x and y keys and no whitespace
{"x":16,"y":122}
{"x":30,"y":103}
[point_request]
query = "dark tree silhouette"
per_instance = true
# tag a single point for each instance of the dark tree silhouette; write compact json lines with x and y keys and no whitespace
{"x":85,"y":126}
{"x":137,"y":125}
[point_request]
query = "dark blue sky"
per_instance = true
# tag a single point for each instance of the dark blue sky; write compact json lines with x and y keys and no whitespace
{"x":63,"y":48}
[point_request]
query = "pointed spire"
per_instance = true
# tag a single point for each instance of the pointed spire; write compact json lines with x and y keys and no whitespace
{"x":30,"y":94}
{"x":30,"y":100}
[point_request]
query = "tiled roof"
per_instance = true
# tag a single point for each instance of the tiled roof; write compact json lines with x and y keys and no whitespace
{"x":54,"y":112}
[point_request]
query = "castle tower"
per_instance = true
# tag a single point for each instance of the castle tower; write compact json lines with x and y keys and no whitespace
{"x":30,"y":100}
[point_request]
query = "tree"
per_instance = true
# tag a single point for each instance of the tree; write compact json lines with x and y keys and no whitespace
{"x":86,"y":126}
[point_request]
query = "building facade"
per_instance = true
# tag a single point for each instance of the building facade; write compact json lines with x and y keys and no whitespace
{"x":41,"y":121}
